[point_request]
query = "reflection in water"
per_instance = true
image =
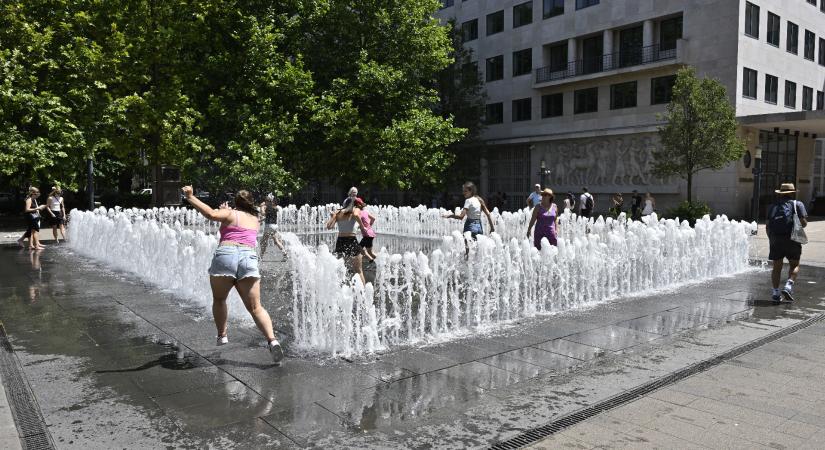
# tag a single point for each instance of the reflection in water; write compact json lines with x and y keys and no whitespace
{"x":178,"y":360}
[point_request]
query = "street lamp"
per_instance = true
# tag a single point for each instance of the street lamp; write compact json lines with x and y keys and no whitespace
{"x":757,"y":181}
{"x":543,"y":172}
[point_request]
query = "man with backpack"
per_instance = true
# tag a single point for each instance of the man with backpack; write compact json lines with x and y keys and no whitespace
{"x":586,"y":203}
{"x":779,"y":227}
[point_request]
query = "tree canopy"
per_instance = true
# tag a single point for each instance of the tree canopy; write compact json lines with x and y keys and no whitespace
{"x":258,"y":94}
{"x":700,"y":132}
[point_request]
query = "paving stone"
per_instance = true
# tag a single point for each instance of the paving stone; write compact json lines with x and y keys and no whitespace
{"x":612,"y":337}
{"x":642,"y":411}
{"x":675,"y":397}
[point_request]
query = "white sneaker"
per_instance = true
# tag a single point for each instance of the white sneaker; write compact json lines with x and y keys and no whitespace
{"x":222,"y":340}
{"x":276,"y":351}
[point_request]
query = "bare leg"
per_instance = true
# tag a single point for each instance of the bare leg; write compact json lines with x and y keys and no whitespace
{"x":354,"y":265}
{"x":54,"y":232}
{"x":63,"y":231}
{"x":250,"y":290}
{"x":776,"y":273}
{"x":264,"y":242}
{"x":370,"y":253}
{"x":220,"y":290}
{"x":279,"y":243}
{"x":793,"y":270}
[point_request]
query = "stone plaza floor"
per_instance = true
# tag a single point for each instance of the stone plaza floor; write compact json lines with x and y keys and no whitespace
{"x":114,"y":362}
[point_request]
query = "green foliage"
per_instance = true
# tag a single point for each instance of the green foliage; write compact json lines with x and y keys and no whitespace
{"x":700,"y":132}
{"x":690,"y":211}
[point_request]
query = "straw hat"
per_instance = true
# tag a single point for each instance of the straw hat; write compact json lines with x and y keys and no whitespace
{"x":547,"y":191}
{"x":786,"y":188}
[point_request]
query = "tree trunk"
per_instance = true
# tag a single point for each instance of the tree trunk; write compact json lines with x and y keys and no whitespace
{"x":690,"y":188}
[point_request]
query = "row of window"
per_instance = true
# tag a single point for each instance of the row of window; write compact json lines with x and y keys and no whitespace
{"x":622,"y":95}
{"x":522,"y":15}
{"x":750,"y":89}
{"x":791,"y":33}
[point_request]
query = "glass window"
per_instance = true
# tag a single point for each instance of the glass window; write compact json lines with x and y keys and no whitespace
{"x":446,"y":3}
{"x":661,"y":89}
{"x":592,"y":55}
{"x":521,"y":109}
{"x":495,"y":22}
{"x":469,"y":30}
{"x":523,"y":14}
{"x":670,"y":31}
{"x":820,"y":100}
{"x":790,"y":94}
{"x":822,"y":50}
{"x":771,"y":88}
{"x":749,"y":83}
{"x":552,"y":8}
{"x":773,"y":29}
{"x":813,"y":2}
{"x":792,"y":40}
{"x":623,"y":95}
{"x":522,"y":62}
{"x":586,"y":100}
{"x":558,"y":57}
{"x":810,"y":44}
{"x":822,"y":6}
{"x":751,"y":20}
{"x":586,"y":3}
{"x":807,"y":98}
{"x":494,"y":113}
{"x":495,"y":68}
{"x":552,"y":105}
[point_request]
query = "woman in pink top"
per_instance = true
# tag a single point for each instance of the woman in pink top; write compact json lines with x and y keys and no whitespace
{"x":545,"y":215}
{"x":235,"y":264}
{"x":367,"y":233}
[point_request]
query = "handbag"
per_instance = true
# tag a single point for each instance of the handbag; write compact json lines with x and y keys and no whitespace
{"x":798,"y":234}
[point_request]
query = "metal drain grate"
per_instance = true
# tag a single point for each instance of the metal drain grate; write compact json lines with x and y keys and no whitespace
{"x":30,"y":426}
{"x":536,"y":434}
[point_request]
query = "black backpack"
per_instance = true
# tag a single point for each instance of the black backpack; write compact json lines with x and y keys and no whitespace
{"x":588,"y":204}
{"x":780,"y":217}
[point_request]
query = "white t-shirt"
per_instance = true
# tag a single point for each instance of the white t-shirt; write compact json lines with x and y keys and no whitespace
{"x":534,"y":198}
{"x":583,"y":201}
{"x":473,"y":207}
{"x":54,"y":203}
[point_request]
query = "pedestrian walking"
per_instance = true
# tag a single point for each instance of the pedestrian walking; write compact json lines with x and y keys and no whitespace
{"x":636,"y":205}
{"x":235,"y":264}
{"x":545,"y":214}
{"x":346,"y":244}
{"x":367,"y":232}
{"x":57,"y":212}
{"x":269,"y":210}
{"x":586,"y":203}
{"x":473,"y":207}
{"x":618,"y":204}
{"x":570,"y":201}
{"x":535,"y":197}
{"x":780,"y":229}
{"x":650,"y":205}
{"x":32,"y":212}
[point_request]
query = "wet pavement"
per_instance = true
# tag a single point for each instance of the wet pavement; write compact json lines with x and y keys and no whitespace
{"x":114,"y":362}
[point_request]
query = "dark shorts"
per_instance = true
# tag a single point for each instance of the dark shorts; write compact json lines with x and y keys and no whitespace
{"x":783,"y":247}
{"x":366,"y":242}
{"x":586,"y":212}
{"x":474,"y":227}
{"x":58,"y":218}
{"x":33,"y":224}
{"x":347,"y":246}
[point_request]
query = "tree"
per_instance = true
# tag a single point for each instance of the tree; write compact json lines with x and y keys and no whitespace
{"x":700,"y":132}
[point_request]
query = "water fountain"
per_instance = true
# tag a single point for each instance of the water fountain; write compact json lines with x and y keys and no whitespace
{"x":437,"y":294}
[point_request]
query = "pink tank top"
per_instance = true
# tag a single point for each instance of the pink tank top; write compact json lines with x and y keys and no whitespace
{"x":365,"y":218}
{"x":238,"y":234}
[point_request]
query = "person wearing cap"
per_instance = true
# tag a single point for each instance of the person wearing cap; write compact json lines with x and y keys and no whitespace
{"x":546,"y":214}
{"x":779,"y":226}
{"x":535,"y":197}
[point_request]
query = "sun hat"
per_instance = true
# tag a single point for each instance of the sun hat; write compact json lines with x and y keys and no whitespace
{"x":546,"y":191}
{"x":786,"y":188}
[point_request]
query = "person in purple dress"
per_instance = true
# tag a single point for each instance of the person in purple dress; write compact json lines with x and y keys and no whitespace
{"x":546,"y":215}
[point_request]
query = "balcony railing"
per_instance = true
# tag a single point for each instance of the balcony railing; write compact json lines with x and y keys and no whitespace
{"x":610,"y":61}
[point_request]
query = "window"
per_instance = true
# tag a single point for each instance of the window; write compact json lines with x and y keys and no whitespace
{"x":810,"y":45}
{"x":623,"y":95}
{"x":592,"y":54}
{"x":807,"y":98}
{"x":495,"y":68}
{"x":790,"y":94}
{"x":771,"y":88}
{"x":495,"y":22}
{"x":523,"y":14}
{"x":820,"y":100}
{"x":586,"y":100}
{"x":813,"y":2}
{"x":553,"y":8}
{"x":792,"y":41}
{"x":749,"y":83}
{"x":552,"y":105}
{"x":751,"y":20}
{"x":469,"y":30}
{"x":580,"y":4}
{"x":822,"y":6}
{"x":773,"y":29}
{"x":822,"y":48}
{"x":521,"y":109}
{"x":558,"y":57}
{"x":522,"y":62}
{"x":446,"y":3}
{"x":670,"y":31}
{"x":661,"y":89}
{"x":494,"y":113}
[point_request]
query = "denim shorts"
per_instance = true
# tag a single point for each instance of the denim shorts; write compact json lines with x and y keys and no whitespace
{"x":235,"y":261}
{"x":474,"y":227}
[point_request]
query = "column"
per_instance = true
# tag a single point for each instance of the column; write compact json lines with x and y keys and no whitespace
{"x":572,"y":47}
{"x":607,"y":44}
{"x":647,"y":33}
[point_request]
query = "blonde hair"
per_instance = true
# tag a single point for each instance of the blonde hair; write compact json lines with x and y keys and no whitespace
{"x":33,"y":190}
